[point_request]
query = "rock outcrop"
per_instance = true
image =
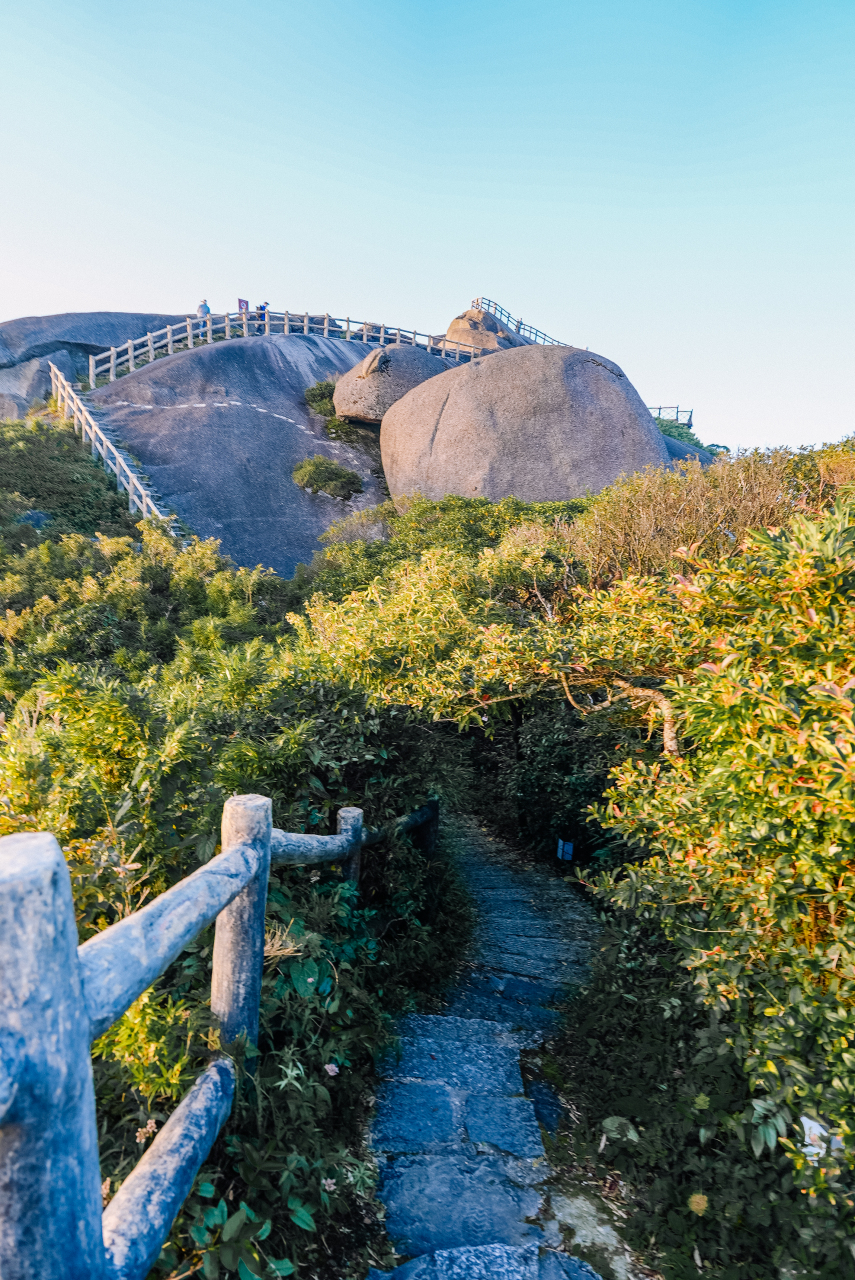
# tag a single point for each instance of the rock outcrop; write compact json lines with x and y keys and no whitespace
{"x":220,"y":430}
{"x":373,"y":386}
{"x":24,"y":383}
{"x":539,"y":423}
{"x":80,"y":333}
{"x":677,"y":450}
{"x":483,"y":329}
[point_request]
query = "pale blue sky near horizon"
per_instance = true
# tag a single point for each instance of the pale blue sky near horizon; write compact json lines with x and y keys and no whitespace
{"x":669,"y":184}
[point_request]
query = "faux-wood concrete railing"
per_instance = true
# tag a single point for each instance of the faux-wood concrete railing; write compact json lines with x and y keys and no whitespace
{"x":69,"y":405}
{"x":57,"y":997}
{"x":241,"y":324}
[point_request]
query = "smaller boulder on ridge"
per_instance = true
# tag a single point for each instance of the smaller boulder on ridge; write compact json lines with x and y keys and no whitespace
{"x":368,"y":390}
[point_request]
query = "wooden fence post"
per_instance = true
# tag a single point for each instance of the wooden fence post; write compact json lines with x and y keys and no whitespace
{"x":131,"y":365}
{"x":50,"y":1204}
{"x":112,"y":364}
{"x":239,"y":936}
{"x":326,"y":324}
{"x":91,"y":373}
{"x":210,"y":329}
{"x":189,"y":334}
{"x":150,"y":348}
{"x":228,"y":323}
{"x":246,"y":324}
{"x":306,"y":323}
{"x":349,"y":823}
{"x":169,"y":343}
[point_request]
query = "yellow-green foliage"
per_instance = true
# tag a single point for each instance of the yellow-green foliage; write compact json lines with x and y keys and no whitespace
{"x":741,"y":832}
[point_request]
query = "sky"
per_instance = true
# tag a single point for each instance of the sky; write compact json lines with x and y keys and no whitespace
{"x":668,"y":184}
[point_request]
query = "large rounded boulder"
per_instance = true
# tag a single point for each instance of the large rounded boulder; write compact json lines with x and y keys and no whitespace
{"x":373,"y":386}
{"x":539,"y":423}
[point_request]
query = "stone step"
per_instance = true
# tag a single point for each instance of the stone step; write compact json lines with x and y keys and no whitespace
{"x":416,"y":1118}
{"x":447,"y":1201}
{"x":467,"y":1030}
{"x":491,"y":1262}
{"x":476,"y":1067}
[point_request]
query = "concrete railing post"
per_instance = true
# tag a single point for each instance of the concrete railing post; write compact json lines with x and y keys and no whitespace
{"x":50,"y":1193}
{"x":349,"y":823}
{"x":239,"y":936}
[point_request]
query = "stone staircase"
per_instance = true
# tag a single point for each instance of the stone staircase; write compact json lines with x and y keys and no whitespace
{"x":463,"y":1170}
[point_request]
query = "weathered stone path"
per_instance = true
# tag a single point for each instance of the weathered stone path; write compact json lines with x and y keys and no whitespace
{"x":462,"y":1163}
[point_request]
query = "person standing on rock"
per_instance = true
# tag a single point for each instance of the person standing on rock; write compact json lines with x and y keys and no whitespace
{"x":202,"y":312}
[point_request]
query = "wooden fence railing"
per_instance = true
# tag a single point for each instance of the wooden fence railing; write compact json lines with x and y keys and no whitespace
{"x":69,"y":405}
{"x":241,"y":324}
{"x":57,"y":997}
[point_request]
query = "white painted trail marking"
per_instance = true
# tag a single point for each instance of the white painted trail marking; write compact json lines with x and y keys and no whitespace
{"x":199,"y":406}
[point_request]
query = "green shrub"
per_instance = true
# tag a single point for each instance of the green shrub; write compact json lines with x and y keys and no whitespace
{"x":319,"y":398}
{"x":322,"y":474}
{"x":143,"y":688}
{"x":44,"y":467}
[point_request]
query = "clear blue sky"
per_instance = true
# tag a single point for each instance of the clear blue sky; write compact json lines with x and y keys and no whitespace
{"x":669,"y":184}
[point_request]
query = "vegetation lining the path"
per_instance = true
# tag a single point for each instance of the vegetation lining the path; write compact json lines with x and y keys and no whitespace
{"x":145,"y":682}
{"x":726,"y":862}
{"x":533,"y":656}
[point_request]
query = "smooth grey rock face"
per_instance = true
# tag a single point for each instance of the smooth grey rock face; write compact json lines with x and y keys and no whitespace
{"x":220,"y":429}
{"x":538,"y":423}
{"x":373,"y":386}
{"x":483,"y":329}
{"x":87,"y":331}
{"x":21,"y":384}
{"x":677,"y":450}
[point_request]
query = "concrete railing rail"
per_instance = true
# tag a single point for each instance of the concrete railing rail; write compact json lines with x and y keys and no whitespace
{"x":242,"y":324}
{"x":57,"y":997}
{"x":526,"y":330}
{"x":69,"y":405}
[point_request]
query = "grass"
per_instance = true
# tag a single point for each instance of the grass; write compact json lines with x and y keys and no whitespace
{"x":45,"y":468}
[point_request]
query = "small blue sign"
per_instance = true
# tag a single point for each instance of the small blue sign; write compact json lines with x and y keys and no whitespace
{"x":565,"y":850}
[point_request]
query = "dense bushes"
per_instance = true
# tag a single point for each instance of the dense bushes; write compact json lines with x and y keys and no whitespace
{"x":46,"y":473}
{"x":644,"y":636}
{"x":143,"y":685}
{"x":738,"y":867}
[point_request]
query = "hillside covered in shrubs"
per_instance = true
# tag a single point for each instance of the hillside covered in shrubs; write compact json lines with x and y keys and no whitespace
{"x":662,"y":674}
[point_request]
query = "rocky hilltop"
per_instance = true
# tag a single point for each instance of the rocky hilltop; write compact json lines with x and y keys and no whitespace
{"x":220,"y":429}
